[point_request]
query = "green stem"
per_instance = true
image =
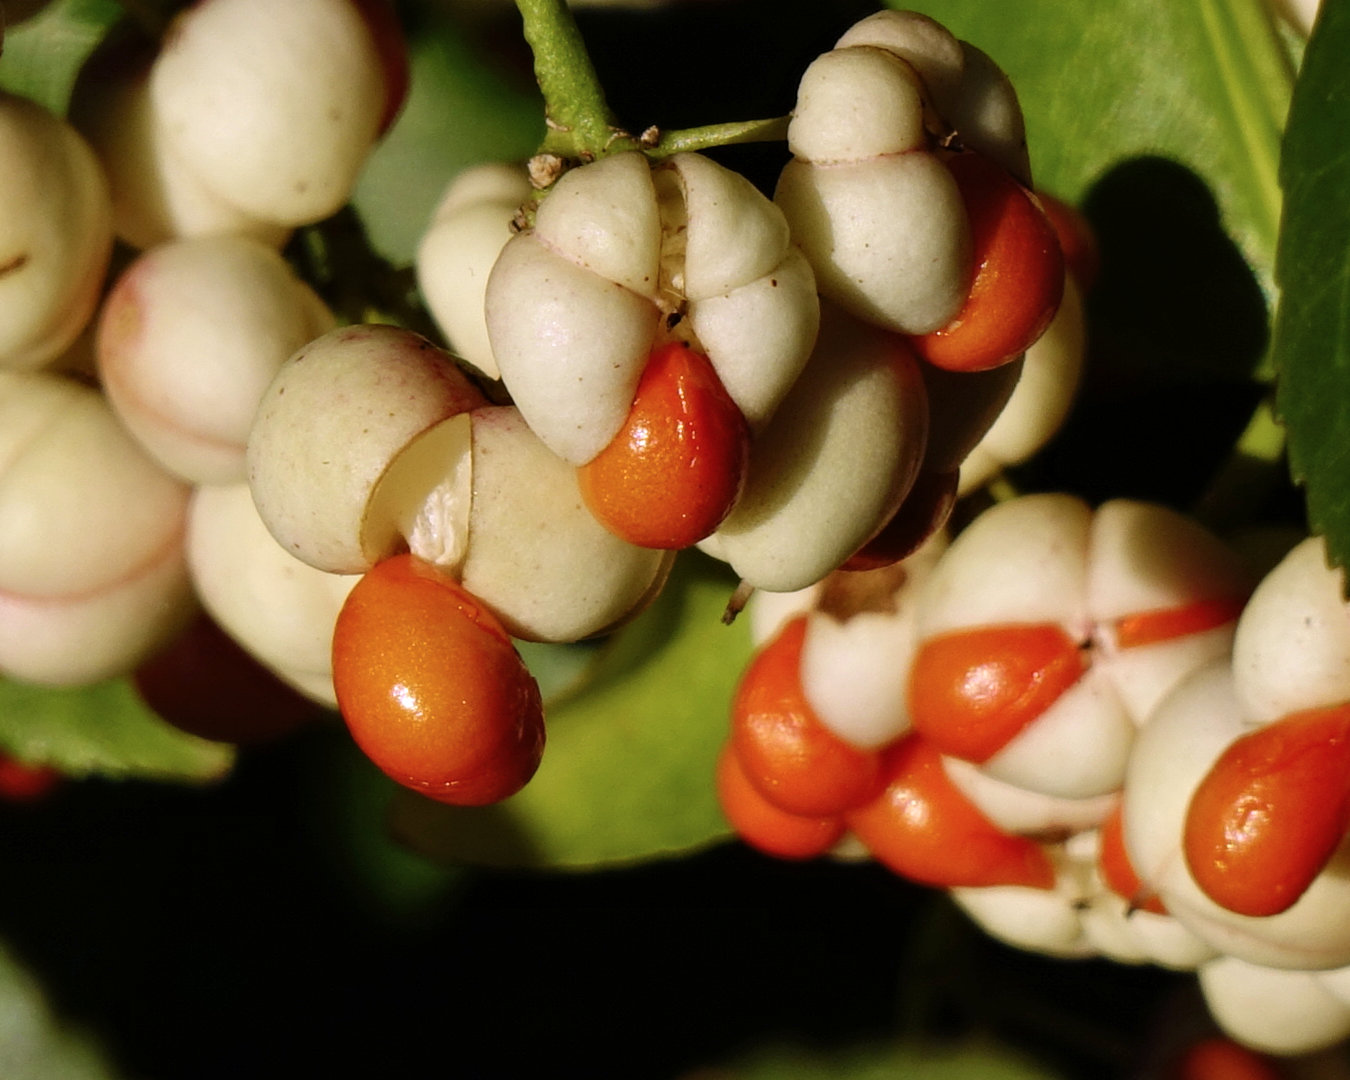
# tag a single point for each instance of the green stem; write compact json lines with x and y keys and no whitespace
{"x":703,"y":138}
{"x":580,"y":124}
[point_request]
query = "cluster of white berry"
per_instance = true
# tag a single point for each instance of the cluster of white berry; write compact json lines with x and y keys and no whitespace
{"x":1088,"y":727}
{"x":129,"y":376}
{"x":1074,"y":719}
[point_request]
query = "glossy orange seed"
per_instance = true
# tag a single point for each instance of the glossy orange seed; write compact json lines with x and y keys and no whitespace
{"x":765,"y":826}
{"x":925,"y":829}
{"x":1163,"y":624}
{"x":972,"y":691}
{"x":1019,"y":273}
{"x":1271,"y":811}
{"x":794,"y":761}
{"x":431,"y":687}
{"x":677,"y":466}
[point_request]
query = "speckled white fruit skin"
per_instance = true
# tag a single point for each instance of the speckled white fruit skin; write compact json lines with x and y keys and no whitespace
{"x":573,"y":306}
{"x":834,"y":463}
{"x":189,"y":339}
{"x":1278,"y":1012}
{"x":536,"y":555}
{"x":468,"y":230}
{"x":81,"y":504}
{"x":156,"y":196}
{"x":273,"y":106}
{"x":84,"y":638}
{"x":281,"y":610}
{"x":857,"y":103}
{"x":55,"y":234}
{"x":855,"y":670}
{"x":1292,"y":647}
{"x":1041,"y":401}
{"x":334,"y":421}
{"x":1193,"y":725}
{"x":887,"y":236}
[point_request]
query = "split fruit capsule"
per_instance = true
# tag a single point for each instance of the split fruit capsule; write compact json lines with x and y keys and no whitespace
{"x":1049,"y":632}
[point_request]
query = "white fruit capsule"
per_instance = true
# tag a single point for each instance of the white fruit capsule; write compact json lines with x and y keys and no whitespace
{"x":536,"y":556}
{"x":887,"y":236}
{"x":470,"y":227}
{"x":857,"y":103}
{"x":834,"y":463}
{"x":1292,"y":647}
{"x":278,"y":608}
{"x":1278,"y":1012}
{"x":274,"y":106}
{"x":92,"y":577}
{"x":965,"y":87}
{"x":55,"y":234}
{"x":87,"y":637}
{"x":855,"y":663}
{"x":156,"y":196}
{"x":571,"y":345}
{"x":1046,"y":921}
{"x":189,"y":339}
{"x":620,"y":248}
{"x":1146,"y":594}
{"x":81,"y":504}
{"x":360,"y":443}
{"x":1018,"y":810}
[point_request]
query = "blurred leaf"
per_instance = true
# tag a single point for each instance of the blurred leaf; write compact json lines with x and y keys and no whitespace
{"x":34,"y":1043}
{"x":461,"y":110}
{"x":1203,"y":82}
{"x":43,"y":54}
{"x":1312,"y":338}
{"x":102,"y":730}
{"x":628,"y":771}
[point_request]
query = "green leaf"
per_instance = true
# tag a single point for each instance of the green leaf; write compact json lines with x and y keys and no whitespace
{"x":1202,"y":82}
{"x":43,"y":54}
{"x":1312,"y":327}
{"x":628,"y":770}
{"x":102,"y":730}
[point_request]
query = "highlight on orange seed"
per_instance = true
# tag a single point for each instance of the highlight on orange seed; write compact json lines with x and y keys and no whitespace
{"x":677,"y":466}
{"x":972,"y":691}
{"x":1270,"y":813}
{"x":431,"y":687}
